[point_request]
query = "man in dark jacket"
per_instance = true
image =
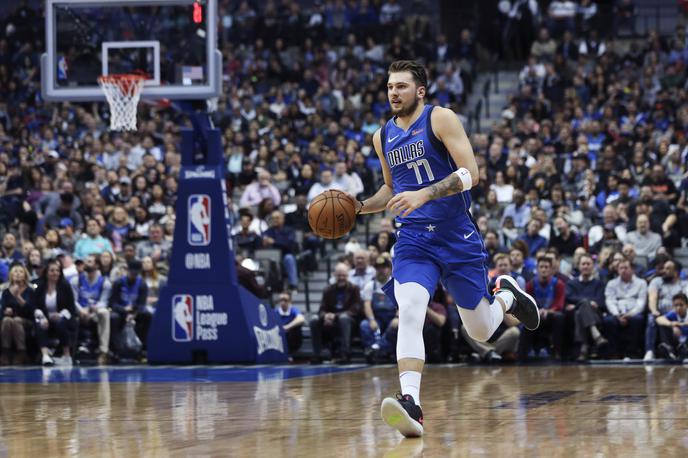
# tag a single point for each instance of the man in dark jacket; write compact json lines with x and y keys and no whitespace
{"x":128,"y":302}
{"x":284,"y":238}
{"x":339,"y":309}
{"x":585,"y":295}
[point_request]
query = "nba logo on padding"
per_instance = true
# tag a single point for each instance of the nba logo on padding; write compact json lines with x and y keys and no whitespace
{"x":199,"y":220}
{"x":182,"y":317}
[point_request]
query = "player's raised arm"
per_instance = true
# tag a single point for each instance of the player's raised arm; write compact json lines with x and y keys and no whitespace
{"x":449,"y":130}
{"x":378,"y":202}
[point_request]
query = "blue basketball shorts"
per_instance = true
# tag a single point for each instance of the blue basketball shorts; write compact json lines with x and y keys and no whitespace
{"x":450,"y":251}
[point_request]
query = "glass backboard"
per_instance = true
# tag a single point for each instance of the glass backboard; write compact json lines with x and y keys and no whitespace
{"x":167,"y":41}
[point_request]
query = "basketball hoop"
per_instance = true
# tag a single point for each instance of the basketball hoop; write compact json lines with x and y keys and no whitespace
{"x":123,"y":93}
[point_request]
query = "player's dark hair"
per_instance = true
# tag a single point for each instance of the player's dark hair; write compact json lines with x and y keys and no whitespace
{"x":420,"y":76}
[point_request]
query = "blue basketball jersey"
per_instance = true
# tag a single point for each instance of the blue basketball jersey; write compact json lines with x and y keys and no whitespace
{"x":417,"y":159}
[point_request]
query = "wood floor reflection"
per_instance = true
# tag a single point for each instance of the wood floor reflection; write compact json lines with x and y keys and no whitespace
{"x":470,"y":411}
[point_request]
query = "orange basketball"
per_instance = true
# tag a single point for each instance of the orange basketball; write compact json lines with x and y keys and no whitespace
{"x":332,"y":214}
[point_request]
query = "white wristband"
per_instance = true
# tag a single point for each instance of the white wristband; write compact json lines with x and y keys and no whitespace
{"x":465,"y":177}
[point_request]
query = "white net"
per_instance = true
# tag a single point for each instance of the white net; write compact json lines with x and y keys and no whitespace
{"x":123,"y":93}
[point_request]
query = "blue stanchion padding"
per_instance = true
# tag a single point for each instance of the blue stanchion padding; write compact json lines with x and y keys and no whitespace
{"x":228,"y":324}
{"x":203,"y":308}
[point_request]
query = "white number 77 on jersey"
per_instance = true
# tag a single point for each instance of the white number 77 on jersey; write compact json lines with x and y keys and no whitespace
{"x":416,"y":168}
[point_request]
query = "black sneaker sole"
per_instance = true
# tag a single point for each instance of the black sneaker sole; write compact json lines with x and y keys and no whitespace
{"x":524,"y":308}
{"x":397,"y":417}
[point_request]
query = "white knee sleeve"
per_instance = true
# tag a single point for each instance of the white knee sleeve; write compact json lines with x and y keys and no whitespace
{"x":413,"y":302}
{"x":483,"y":321}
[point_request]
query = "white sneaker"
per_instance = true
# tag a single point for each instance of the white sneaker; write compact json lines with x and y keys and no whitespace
{"x":48,"y":361}
{"x":649,"y":356}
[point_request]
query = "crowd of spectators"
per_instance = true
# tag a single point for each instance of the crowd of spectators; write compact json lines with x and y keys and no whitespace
{"x":304,"y":90}
{"x":582,"y":195}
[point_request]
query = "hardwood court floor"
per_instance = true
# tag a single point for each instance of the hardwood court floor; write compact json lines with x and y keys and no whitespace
{"x":469,"y":411}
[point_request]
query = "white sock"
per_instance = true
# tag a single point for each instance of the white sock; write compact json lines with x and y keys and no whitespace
{"x":507,"y":296}
{"x":410,"y":384}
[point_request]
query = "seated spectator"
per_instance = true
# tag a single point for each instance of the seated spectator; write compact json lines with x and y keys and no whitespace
{"x":660,"y":295}
{"x":10,"y":252}
{"x":503,"y":344}
{"x":55,"y":206}
{"x":585,"y":297}
{"x":673,"y":329}
{"x":549,"y":293}
{"x":534,"y":240}
{"x":348,"y":182}
{"x":492,"y":246}
{"x":339,"y":309}
{"x":492,"y":209}
{"x":326,"y":183}
{"x":519,"y":210}
{"x":34,"y":265}
{"x":625,"y":298}
{"x":283,"y":238}
{"x":92,"y":291}
{"x":544,"y":47}
{"x":628,"y":251}
{"x":645,"y":242}
{"x":260,"y":189}
{"x":107,"y":265}
{"x":67,"y":235}
{"x":118,"y":228}
{"x":128,"y":303}
{"x":292,"y":320}
{"x":362,"y":273}
{"x":246,"y":239}
{"x":563,"y":238}
{"x":518,"y":267}
{"x":502,"y":264}
{"x":384,"y":242}
{"x":55,"y":313}
{"x":92,"y":242}
{"x":504,"y":190}
{"x":157,"y":247}
{"x":611,"y":227}
{"x":378,"y":328}
{"x":16,"y":310}
{"x":154,"y":280}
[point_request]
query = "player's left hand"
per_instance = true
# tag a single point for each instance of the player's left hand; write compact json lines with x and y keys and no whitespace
{"x":405,"y":202}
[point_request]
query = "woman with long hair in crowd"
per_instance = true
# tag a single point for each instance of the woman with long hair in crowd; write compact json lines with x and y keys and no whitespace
{"x":35,"y":265}
{"x":55,"y":312}
{"x":54,"y":244}
{"x":17,"y":315}
{"x":107,"y":265}
{"x":153,"y":279}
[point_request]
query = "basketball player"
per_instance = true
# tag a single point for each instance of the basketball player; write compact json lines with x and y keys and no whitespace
{"x":429,"y":167}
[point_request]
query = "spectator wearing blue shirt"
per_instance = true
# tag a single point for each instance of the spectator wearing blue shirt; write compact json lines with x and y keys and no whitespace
{"x":292,"y":319}
{"x":534,"y":240}
{"x":673,"y":329}
{"x":10,"y":252}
